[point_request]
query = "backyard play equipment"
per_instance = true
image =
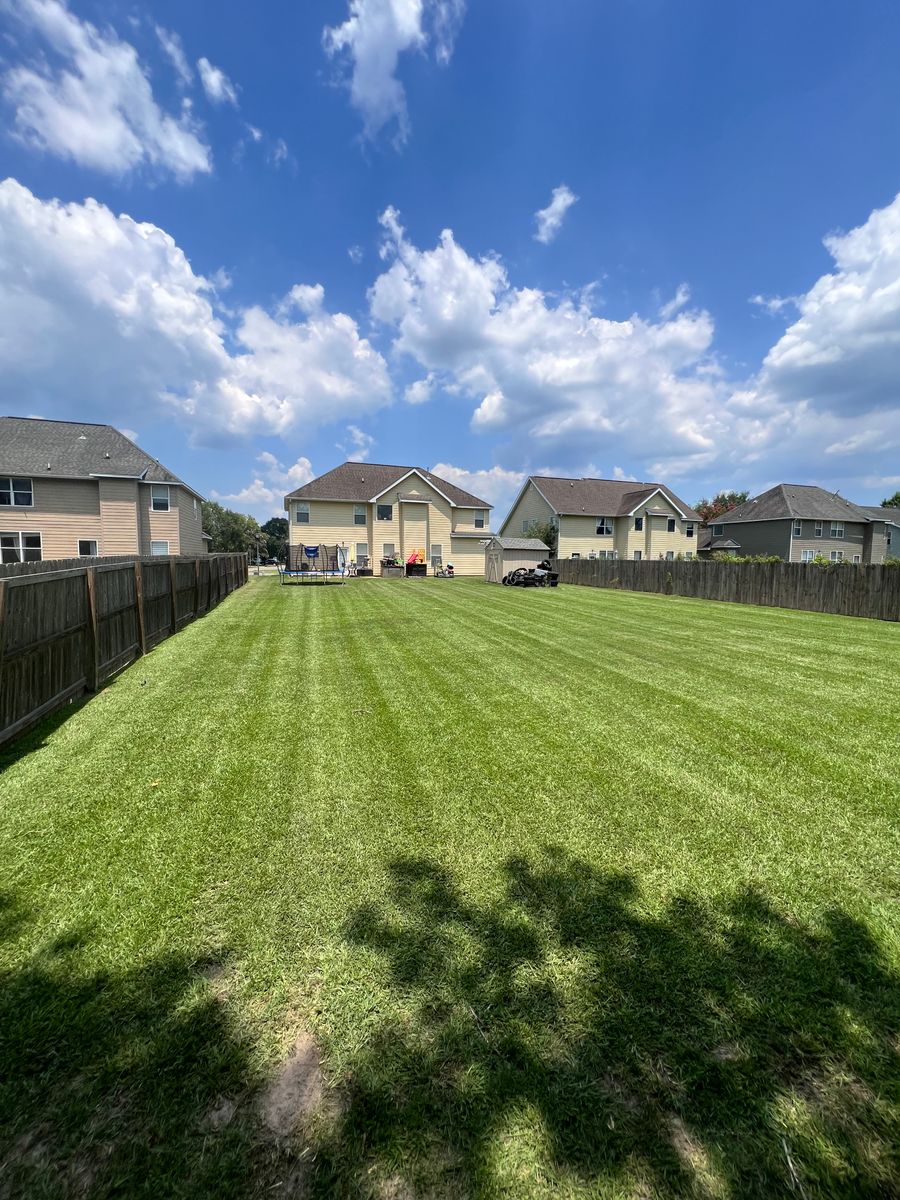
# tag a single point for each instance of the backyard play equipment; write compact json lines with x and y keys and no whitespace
{"x":315,"y":564}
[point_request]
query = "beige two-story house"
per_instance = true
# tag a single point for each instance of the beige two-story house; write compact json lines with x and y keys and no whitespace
{"x":801,"y":522}
{"x":375,"y":511}
{"x":606,"y":518}
{"x":71,"y":489}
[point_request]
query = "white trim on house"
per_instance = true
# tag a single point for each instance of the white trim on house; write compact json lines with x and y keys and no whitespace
{"x":427,"y":482}
{"x":658,"y":492}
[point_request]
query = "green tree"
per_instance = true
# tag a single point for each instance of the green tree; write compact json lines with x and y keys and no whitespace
{"x":722,"y":502}
{"x":546,"y":531}
{"x":276,"y":535}
{"x":892,"y":501}
{"x":231,"y":532}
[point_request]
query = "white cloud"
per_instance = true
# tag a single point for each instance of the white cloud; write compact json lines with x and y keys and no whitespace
{"x":494,"y":484}
{"x":218,"y":87}
{"x":264,"y":496}
{"x":279,"y":154}
{"x":96,"y":107}
{"x":374,"y":35}
{"x":548,"y":373}
{"x":358,"y":445}
{"x":355,"y":254}
{"x":255,"y":134}
{"x":171,"y":44}
{"x":420,"y":390}
{"x":679,"y":300}
{"x":774,"y":305}
{"x":103,"y":313}
{"x":619,"y":473}
{"x":549,"y":220}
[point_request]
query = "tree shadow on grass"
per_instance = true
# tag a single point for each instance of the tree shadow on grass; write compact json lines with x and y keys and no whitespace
{"x":562,"y":1037}
{"x":118,"y":1083}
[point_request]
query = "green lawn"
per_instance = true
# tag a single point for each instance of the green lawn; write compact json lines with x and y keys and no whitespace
{"x":439,"y":889}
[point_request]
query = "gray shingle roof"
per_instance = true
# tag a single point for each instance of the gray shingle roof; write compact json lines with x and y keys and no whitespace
{"x":602,"y":497}
{"x":361,"y":481}
{"x":879,"y":513}
{"x":797,"y":500}
{"x":522,"y":543}
{"x":74,"y":450}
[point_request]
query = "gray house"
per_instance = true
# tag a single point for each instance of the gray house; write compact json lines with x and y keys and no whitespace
{"x":800,"y":522}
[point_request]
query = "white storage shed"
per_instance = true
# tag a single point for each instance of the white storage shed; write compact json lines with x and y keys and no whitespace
{"x":504,"y":554}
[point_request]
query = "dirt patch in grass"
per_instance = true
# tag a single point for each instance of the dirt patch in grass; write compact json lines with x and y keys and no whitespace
{"x":297,"y":1093}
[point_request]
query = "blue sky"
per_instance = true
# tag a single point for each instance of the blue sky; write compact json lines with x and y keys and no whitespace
{"x":647,"y":239}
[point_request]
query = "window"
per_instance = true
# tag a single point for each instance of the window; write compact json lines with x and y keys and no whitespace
{"x":856,"y":558}
{"x":639,"y":524}
{"x":362,"y":551}
{"x":20,"y":547}
{"x":638,"y":556}
{"x":818,"y":528}
{"x":688,"y":555}
{"x":17,"y":492}
{"x":359,"y":514}
{"x":159,"y":547}
{"x":87,"y":548}
{"x":806,"y":556}
{"x":604,"y":526}
{"x":837,"y":529}
{"x":689,"y":529}
{"x":607,"y":554}
{"x":575,"y":555}
{"x":387,"y":550}
{"x":837,"y":556}
{"x":301,"y":514}
{"x":670,"y":554}
{"x":159,"y":497}
{"x":479,"y":518}
{"x":887,"y":536}
{"x":670,"y":525}
{"x":798,"y":529}
{"x":196,"y":507}
{"x":437,"y":554}
{"x":384,"y":512}
{"x":718,"y":530}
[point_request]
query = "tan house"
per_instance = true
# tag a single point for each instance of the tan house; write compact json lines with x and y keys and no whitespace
{"x":606,"y":518}
{"x":376,"y":511}
{"x":801,"y":522}
{"x":70,"y":489}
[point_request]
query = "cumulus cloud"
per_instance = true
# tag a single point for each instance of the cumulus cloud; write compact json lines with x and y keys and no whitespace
{"x":263,"y":496}
{"x":93,"y":103}
{"x":371,"y":40}
{"x":357,"y":445}
{"x":106,"y":314}
{"x":495,"y":484}
{"x":679,"y":300}
{"x":218,"y":87}
{"x":548,"y":373}
{"x":549,"y":220}
{"x":420,"y":390}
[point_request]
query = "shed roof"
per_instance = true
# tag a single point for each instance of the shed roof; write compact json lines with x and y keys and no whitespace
{"x":520,"y":543}
{"x":361,"y":481}
{"x":75,"y":450}
{"x":602,"y":497}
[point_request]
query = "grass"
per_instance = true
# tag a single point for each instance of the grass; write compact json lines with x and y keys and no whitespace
{"x":509,"y":894}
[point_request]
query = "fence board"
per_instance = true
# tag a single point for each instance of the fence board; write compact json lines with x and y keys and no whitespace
{"x":66,"y":631}
{"x":843,"y":589}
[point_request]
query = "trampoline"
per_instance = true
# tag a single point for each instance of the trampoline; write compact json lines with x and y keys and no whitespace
{"x":315,"y":565}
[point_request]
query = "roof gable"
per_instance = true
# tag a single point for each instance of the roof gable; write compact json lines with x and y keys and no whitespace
{"x":364,"y":483}
{"x":603,"y":497}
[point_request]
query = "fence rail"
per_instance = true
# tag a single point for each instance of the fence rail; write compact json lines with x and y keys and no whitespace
{"x":847,"y":590}
{"x":67,"y":631}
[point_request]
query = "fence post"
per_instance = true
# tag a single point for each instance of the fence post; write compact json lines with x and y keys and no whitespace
{"x":173,"y":589}
{"x":139,"y":603}
{"x":93,"y":664}
{"x":2,"y":624}
{"x":196,"y":588}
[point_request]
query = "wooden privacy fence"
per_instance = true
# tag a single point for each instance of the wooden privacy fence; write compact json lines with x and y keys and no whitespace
{"x":67,"y":631}
{"x":848,"y":590}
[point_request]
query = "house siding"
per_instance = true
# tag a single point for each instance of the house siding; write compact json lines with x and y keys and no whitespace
{"x":65,"y":510}
{"x":190,"y":524}
{"x":119,"y":516}
{"x":467,"y":556}
{"x":759,"y":537}
{"x":577,"y":534}
{"x":853,"y":541}
{"x":530,"y":507}
{"x":159,"y":526}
